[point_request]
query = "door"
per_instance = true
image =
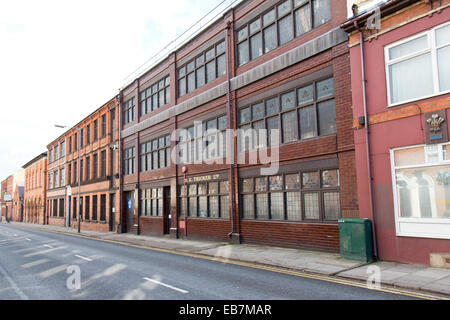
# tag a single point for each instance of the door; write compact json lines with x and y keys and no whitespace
{"x":129,"y":211}
{"x":69,"y":201}
{"x":167,"y":214}
{"x":112,"y":211}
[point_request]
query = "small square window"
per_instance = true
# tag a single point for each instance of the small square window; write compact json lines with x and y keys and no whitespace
{"x":269,"y":17}
{"x":242,"y":34}
{"x":245,"y":115}
{"x":288,"y":100}
{"x":255,"y":26}
{"x":284,"y":8}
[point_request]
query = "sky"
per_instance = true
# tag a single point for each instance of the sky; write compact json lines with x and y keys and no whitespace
{"x":61,"y":60}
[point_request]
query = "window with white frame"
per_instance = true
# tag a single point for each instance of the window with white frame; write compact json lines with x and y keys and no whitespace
{"x":421,"y":184}
{"x":419,"y":66}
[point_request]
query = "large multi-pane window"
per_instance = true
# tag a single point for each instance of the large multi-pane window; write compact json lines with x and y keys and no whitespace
{"x":103,"y":207}
{"x":61,"y":208}
{"x":155,"y":96}
{"x":94,"y":207}
{"x":75,"y":207}
{"x":128,"y":160}
{"x":75,"y":172}
{"x":204,"y":140}
{"x":104,"y":122}
{"x":305,"y":112}
{"x":95,"y":130}
{"x":310,"y":195}
{"x":418,"y":66}
{"x":421,"y":176}
{"x":205,"y":200}
{"x":63,"y":149}
{"x":81,"y":171}
{"x":55,"y":208}
{"x":103,"y":163}
{"x":279,"y":25}
{"x":55,"y":176}
{"x":88,"y":134}
{"x":128,"y":111}
{"x":88,"y":168}
{"x":95,"y":167}
{"x":87,"y":207}
{"x":62,"y":175}
{"x":151,"y":202}
{"x":204,"y":68}
{"x":155,"y":154}
{"x":50,"y":180}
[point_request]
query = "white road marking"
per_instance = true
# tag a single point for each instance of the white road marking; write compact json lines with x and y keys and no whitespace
{"x":52,"y":271}
{"x":19,"y":292}
{"x":34,"y":263}
{"x":27,"y":239}
{"x":84,"y":258}
{"x":42,"y":252}
{"x":9,"y":240}
{"x":47,"y":245}
{"x":166,"y":285}
{"x":23,"y":250}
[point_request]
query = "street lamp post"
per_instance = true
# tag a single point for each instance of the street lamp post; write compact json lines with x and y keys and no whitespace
{"x":79,"y":171}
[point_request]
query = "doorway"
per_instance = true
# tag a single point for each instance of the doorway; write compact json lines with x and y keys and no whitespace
{"x":166,"y":208}
{"x":112,"y":211}
{"x":129,"y":211}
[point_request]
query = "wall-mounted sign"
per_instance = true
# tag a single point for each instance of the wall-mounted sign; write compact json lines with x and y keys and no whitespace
{"x":7,"y":197}
{"x":130,"y":204}
{"x":436,"y":127}
{"x":203,"y":178}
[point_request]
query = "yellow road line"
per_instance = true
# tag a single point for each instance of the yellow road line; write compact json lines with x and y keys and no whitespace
{"x":281,"y":270}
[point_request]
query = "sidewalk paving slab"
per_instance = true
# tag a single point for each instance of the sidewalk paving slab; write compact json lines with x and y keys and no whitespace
{"x":409,"y":276}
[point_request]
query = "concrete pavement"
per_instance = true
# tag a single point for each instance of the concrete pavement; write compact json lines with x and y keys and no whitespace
{"x":408,"y":276}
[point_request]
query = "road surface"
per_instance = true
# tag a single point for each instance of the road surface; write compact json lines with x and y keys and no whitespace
{"x":36,"y":264}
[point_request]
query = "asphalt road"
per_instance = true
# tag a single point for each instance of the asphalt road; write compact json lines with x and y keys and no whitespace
{"x":44,"y":265}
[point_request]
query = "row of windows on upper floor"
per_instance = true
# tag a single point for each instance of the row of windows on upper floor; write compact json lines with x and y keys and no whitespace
{"x":302,"y":113}
{"x":89,"y":134}
{"x":275,"y":27}
{"x":90,"y":169}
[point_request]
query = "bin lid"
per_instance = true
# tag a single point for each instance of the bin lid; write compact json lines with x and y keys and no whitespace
{"x":353,"y":220}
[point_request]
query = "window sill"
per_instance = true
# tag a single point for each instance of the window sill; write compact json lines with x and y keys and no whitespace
{"x":398,"y":104}
{"x":423,"y":228}
{"x":325,"y":222}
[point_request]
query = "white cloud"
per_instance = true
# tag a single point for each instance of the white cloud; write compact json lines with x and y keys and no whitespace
{"x":60,"y":60}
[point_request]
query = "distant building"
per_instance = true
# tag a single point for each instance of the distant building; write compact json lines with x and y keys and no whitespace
{"x":12,"y":196}
{"x":6,"y":198}
{"x":95,"y":176}
{"x":98,"y":170}
{"x":35,"y":190}
{"x":56,"y":206}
